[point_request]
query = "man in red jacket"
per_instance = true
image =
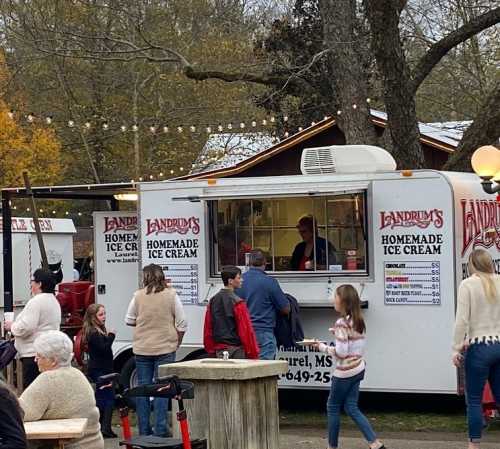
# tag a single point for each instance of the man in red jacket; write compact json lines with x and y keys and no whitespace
{"x":227,"y":322}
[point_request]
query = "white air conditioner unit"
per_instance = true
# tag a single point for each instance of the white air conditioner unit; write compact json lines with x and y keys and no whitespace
{"x":346,"y":159}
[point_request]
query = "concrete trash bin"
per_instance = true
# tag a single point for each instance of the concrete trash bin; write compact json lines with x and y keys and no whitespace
{"x":235,"y":403}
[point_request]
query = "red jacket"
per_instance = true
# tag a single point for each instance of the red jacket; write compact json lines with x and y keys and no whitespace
{"x":245,"y":332}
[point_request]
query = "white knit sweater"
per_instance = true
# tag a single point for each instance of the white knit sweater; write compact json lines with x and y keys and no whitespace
{"x":477,"y":319}
{"x":42,"y":313}
{"x":64,"y":393}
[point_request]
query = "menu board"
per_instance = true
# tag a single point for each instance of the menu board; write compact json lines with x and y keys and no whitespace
{"x":412,"y":283}
{"x":184,"y":278}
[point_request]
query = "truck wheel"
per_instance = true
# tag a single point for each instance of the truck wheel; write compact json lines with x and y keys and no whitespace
{"x":128,"y":378}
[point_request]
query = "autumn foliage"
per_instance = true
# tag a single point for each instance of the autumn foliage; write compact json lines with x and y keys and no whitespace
{"x":34,"y":149}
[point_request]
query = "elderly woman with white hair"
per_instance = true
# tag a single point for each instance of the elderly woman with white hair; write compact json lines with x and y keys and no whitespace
{"x":61,"y":391}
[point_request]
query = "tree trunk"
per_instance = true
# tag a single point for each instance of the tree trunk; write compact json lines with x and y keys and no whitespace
{"x":485,"y":130}
{"x":383,"y":16}
{"x":347,"y":74}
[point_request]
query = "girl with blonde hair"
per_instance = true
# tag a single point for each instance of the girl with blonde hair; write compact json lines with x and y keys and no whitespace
{"x":99,"y":341}
{"x":476,"y":337}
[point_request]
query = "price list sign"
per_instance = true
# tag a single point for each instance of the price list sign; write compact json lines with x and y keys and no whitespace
{"x":412,"y":283}
{"x":184,"y":278}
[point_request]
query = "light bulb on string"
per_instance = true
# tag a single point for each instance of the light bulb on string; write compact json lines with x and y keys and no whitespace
{"x":87,"y":125}
{"x":11,"y":114}
{"x":151,"y":177}
{"x":66,"y":213}
{"x":48,"y":120}
{"x":272,"y":119}
{"x":208,"y":129}
{"x":181,"y":169}
{"x":242,"y":125}
{"x":285,"y":118}
{"x":31,"y":118}
{"x":220,"y":128}
{"x":152,"y":128}
{"x":161,"y":174}
{"x":254,"y":124}
{"x":313,"y":123}
{"x":339,"y":112}
{"x":179,"y":129}
{"x":105,"y":126}
{"x":287,"y":133}
{"x":355,"y":106}
{"x":80,"y":214}
{"x":71,"y":123}
{"x":326,"y":117}
{"x":192,"y":128}
{"x":230,"y":126}
{"x":123,"y":128}
{"x":264,"y":122}
{"x":41,"y":211}
{"x":368,"y":100}
{"x":165,"y":129}
{"x":171,"y":172}
{"x":53,"y":212}
{"x":14,"y":207}
{"x":135,"y":127}
{"x":301,"y":129}
{"x":140,"y":179}
{"x":27,"y":209}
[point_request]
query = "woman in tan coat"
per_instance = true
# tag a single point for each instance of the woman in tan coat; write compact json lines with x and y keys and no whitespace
{"x":159,"y":324}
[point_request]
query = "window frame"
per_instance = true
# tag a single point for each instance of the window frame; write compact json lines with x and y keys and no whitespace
{"x":365,"y":192}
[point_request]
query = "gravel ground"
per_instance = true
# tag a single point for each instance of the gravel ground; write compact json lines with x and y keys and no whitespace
{"x":311,"y":438}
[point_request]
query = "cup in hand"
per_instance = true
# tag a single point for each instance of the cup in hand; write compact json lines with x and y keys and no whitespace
{"x":8,"y":316}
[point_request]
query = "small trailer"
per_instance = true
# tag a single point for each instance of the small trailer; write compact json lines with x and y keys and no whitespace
{"x":402,"y":238}
{"x":58,"y":237}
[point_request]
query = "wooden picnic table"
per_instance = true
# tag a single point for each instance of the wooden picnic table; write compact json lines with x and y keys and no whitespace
{"x":59,"y":431}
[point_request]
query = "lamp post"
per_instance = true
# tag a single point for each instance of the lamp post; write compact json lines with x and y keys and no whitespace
{"x":486,"y":164}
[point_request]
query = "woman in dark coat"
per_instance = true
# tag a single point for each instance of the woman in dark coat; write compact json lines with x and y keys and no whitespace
{"x":12,"y":435}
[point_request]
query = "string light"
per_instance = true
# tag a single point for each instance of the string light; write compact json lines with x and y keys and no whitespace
{"x":242,"y":125}
{"x":355,"y":106}
{"x":220,"y":128}
{"x":105,"y":126}
{"x":287,"y":133}
{"x":165,"y":129}
{"x":135,"y":127}
{"x":161,"y":174}
{"x":140,"y":178}
{"x":208,"y":129}
{"x":151,"y":177}
{"x":192,"y":128}
{"x":368,"y":100}
{"x":285,"y":118}
{"x":230,"y":126}
{"x":264,"y":122}
{"x":254,"y":124}
{"x":179,"y":129}
{"x":313,"y":123}
{"x":31,"y":118}
{"x":48,"y":120}
{"x":71,"y":123}
{"x":339,"y":112}
{"x":123,"y":128}
{"x":301,"y":129}
{"x":88,"y":125}
{"x":152,"y":128}
{"x":11,"y":114}
{"x":272,"y":119}
{"x":181,"y":169}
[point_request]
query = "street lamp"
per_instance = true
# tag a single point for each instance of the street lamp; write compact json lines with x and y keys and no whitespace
{"x":486,"y":163}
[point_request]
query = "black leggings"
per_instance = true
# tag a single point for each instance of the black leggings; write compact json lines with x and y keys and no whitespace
{"x":30,"y":371}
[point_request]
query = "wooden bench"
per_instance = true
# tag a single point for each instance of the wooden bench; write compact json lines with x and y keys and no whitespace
{"x":58,"y":431}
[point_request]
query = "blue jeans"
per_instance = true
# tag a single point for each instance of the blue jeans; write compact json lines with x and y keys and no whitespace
{"x":267,"y":344}
{"x":482,"y":363}
{"x":344,"y":393}
{"x":147,"y":373}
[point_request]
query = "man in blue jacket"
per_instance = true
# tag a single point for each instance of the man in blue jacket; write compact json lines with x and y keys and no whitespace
{"x":265,"y":300}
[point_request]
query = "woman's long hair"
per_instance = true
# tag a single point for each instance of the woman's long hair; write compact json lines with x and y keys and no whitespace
{"x":481,"y":264}
{"x":153,"y":279}
{"x":351,"y":306}
{"x":91,"y":323}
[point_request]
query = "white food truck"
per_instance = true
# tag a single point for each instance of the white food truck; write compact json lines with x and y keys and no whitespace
{"x":402,"y":238}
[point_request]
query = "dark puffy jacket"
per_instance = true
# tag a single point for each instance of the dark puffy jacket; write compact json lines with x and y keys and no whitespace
{"x":288,"y":329}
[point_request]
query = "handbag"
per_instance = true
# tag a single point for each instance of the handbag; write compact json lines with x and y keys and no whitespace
{"x":7,"y":352}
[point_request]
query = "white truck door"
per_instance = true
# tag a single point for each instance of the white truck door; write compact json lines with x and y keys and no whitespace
{"x":116,"y":266}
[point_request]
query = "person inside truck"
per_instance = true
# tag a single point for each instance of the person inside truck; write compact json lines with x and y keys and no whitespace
{"x":312,"y":252}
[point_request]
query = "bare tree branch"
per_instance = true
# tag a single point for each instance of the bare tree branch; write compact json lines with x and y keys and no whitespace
{"x":438,"y":50}
{"x":483,"y":131}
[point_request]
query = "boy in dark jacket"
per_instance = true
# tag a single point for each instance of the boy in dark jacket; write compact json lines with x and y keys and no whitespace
{"x":227,"y":322}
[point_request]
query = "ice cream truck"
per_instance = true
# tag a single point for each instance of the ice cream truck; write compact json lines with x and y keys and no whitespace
{"x":402,"y":238}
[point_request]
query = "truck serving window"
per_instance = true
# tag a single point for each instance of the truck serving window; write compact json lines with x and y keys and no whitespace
{"x":307,"y":234}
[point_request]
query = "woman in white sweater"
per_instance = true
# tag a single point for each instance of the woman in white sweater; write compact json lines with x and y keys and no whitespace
{"x":42,"y":313}
{"x":61,"y":391}
{"x":477,"y":337}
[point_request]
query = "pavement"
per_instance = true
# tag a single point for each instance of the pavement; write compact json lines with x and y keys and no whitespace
{"x":313,"y":438}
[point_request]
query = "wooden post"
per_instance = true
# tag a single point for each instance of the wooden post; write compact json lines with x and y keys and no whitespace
{"x":43,"y":254}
